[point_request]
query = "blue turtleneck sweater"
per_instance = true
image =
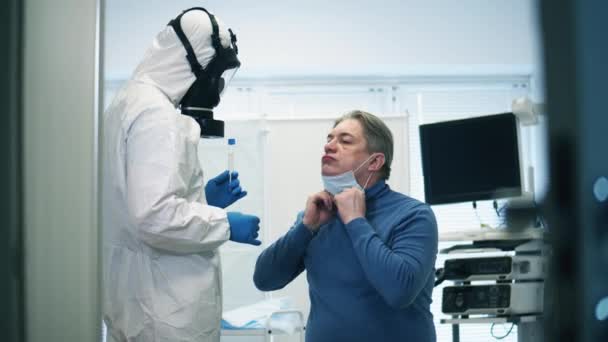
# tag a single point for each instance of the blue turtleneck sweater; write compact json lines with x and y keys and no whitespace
{"x":369,"y":280}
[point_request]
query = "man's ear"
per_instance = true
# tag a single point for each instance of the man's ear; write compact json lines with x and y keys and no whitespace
{"x":377,"y":162}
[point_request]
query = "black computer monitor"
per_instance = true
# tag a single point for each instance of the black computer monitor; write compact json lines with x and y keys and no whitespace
{"x":471,"y":159}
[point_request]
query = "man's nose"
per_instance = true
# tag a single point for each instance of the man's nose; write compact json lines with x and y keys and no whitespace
{"x":330,"y":146}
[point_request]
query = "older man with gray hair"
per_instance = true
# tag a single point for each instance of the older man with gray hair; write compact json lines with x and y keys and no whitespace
{"x":369,"y":251}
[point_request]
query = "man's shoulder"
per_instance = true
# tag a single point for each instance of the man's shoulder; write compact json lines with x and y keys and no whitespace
{"x":149,"y":100}
{"x":407,"y":202}
{"x":418,"y":215}
{"x":408,"y":208}
{"x":137,"y":101}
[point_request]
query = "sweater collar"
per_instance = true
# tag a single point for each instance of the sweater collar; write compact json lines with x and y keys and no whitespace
{"x":376,"y":190}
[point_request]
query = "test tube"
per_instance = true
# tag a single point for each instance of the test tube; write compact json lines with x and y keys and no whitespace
{"x":231,"y":146}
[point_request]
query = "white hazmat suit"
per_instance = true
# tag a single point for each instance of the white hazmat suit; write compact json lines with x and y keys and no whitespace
{"x":162,"y":276}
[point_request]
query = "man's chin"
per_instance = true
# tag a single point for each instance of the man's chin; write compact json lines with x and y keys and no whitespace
{"x":328,"y":171}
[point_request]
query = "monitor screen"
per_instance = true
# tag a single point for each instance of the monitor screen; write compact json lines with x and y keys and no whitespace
{"x":471,"y":159}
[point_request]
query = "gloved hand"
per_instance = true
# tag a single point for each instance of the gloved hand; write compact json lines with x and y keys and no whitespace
{"x":221,"y":192}
{"x":244,"y":228}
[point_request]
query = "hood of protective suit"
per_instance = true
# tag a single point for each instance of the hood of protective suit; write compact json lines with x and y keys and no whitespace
{"x":165,"y":65}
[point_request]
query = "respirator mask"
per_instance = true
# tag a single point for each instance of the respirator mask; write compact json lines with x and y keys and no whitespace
{"x":211,"y":81}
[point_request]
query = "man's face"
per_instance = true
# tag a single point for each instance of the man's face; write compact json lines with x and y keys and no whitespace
{"x":345,"y":150}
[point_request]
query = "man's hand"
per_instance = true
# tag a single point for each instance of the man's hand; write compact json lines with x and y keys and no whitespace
{"x":319,"y":209}
{"x":350,"y":204}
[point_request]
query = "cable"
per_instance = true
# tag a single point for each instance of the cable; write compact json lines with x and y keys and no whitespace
{"x":500,"y":209}
{"x":500,"y":337}
{"x":440,"y":276}
{"x":502,"y":219}
{"x":541,"y":221}
{"x":540,"y":217}
{"x":481,"y":224}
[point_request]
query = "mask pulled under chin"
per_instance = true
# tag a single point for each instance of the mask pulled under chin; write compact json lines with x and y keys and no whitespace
{"x":338,"y":183}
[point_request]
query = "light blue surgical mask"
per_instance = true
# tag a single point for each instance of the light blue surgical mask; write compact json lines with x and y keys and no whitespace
{"x":338,"y":183}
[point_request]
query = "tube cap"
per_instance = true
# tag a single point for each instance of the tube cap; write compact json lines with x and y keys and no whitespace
{"x":231,"y":141}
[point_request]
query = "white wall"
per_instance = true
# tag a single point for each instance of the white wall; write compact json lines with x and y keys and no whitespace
{"x":278,"y":37}
{"x":61,"y":254}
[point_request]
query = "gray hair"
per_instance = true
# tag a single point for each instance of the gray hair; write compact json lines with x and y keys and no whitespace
{"x":378,"y":136}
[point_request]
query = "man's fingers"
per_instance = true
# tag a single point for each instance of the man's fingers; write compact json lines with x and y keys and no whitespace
{"x":328,"y":203}
{"x":322,"y":203}
{"x":327,"y":200}
{"x":323,"y":199}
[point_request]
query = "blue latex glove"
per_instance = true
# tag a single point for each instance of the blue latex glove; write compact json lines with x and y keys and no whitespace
{"x":244,"y":228}
{"x":222,"y":192}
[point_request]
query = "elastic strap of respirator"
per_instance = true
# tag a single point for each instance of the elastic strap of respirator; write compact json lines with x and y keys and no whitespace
{"x":196,"y":67}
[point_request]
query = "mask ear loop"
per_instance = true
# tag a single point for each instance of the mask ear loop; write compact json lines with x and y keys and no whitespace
{"x":368,"y":178}
{"x":360,"y":166}
{"x":370,"y":175}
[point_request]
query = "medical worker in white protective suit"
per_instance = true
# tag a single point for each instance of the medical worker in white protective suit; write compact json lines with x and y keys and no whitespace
{"x":162,"y":225}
